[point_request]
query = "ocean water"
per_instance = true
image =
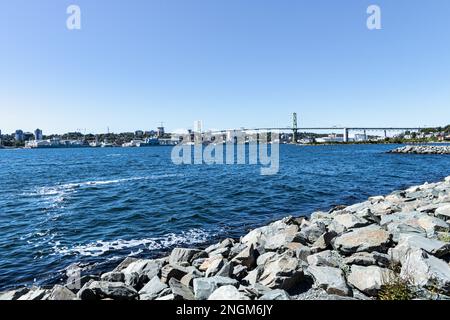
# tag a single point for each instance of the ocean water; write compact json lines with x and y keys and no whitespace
{"x":97,"y":206}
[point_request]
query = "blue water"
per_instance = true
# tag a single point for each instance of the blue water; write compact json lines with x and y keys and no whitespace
{"x":97,"y":206}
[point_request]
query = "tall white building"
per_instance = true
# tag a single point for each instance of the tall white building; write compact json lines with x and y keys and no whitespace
{"x":198,"y":126}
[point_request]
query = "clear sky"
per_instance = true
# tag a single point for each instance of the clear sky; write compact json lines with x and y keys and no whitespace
{"x":230,"y":63}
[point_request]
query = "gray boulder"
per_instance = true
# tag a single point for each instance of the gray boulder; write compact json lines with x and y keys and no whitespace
{"x":399,"y":228}
{"x":152,"y":289}
{"x":180,"y":291}
{"x":204,"y":287}
{"x":432,"y":224}
{"x":326,"y":258}
{"x":139,"y":272}
{"x":227,"y":292}
{"x":177,"y":272}
{"x":113,"y":276}
{"x":332,"y":280}
{"x":181,"y":256}
{"x":97,"y":290}
{"x":351,"y":221}
{"x":277,"y":294}
{"x":443,"y":211}
{"x":369,"y":259}
{"x":246,"y":257}
{"x":125,"y":263}
{"x":425,"y":270}
{"x":371,"y":238}
{"x":262,"y":259}
{"x":282,"y":273}
{"x":61,"y":293}
{"x":226,"y":270}
{"x":210,"y":261}
{"x":253,"y":276}
{"x":312,"y":232}
{"x":369,"y":279}
{"x":324,"y":241}
{"x":408,"y":242}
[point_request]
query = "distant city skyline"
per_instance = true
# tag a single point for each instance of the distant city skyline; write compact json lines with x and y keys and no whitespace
{"x":229,"y":64}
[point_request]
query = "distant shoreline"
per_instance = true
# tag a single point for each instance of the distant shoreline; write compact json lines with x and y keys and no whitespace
{"x":293,"y":144}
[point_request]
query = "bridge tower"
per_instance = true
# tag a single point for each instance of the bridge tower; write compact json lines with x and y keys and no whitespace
{"x":345,"y":135}
{"x":294,"y":127}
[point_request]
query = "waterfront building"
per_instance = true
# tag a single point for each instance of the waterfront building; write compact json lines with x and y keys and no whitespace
{"x":18,"y":135}
{"x":38,"y":134}
{"x":330,"y":139}
{"x":161,"y":131}
{"x":198,"y":126}
{"x":139,"y":133}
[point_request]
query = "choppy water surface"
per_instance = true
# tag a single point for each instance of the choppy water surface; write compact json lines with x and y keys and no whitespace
{"x":97,"y":206}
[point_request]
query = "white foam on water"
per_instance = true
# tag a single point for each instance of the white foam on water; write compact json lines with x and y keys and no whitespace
{"x":100,"y":247}
{"x":56,"y":195}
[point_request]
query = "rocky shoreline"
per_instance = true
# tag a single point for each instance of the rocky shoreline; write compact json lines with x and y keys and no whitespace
{"x":388,"y":247}
{"x":422,"y":150}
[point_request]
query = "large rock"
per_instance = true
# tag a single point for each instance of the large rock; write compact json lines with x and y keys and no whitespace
{"x":226,"y":270}
{"x":443,"y":211}
{"x":173,"y":271}
{"x":97,"y":290}
{"x":272,"y":235}
{"x":280,"y":239}
{"x":426,"y":271}
{"x":253,"y":276}
{"x":125,"y":263}
{"x":399,"y":228}
{"x":204,"y":287}
{"x":262,"y":259}
{"x":284,"y":272}
{"x":246,"y":257}
{"x":227,"y":292}
{"x":371,"y":238}
{"x":409,"y":243}
{"x":139,"y":272}
{"x":324,"y":241}
{"x":369,"y":259}
{"x":180,"y":291}
{"x":239,"y":272}
{"x":369,"y":279}
{"x":182,"y":256}
{"x":326,"y":258}
{"x":351,"y":221}
{"x":312,"y":232}
{"x":277,"y":294}
{"x":152,"y":289}
{"x":332,"y":280}
{"x":212,"y":261}
{"x":113,"y":276}
{"x":432,"y":224}
{"x":77,"y":282}
{"x":61,"y":293}
{"x":227,"y":243}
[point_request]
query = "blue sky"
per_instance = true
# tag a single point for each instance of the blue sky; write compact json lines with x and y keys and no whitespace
{"x":230,"y":63}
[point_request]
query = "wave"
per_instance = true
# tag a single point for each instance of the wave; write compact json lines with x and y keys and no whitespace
{"x":100,"y":247}
{"x":58,"y":193}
